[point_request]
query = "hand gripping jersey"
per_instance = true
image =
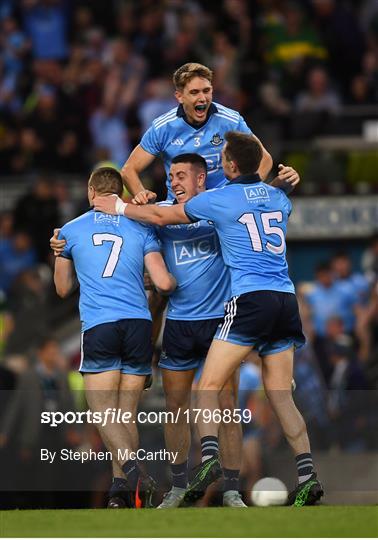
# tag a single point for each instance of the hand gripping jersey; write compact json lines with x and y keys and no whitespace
{"x":108,"y":254}
{"x":171,"y":135}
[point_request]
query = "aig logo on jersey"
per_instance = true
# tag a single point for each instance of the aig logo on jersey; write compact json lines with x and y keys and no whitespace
{"x":256,"y":193}
{"x":99,"y":217}
{"x":190,"y":251}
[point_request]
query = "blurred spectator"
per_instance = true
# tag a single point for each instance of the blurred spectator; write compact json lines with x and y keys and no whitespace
{"x":360,"y":91}
{"x":149,"y":41}
{"x":45,"y":127}
{"x":370,"y":71}
{"x":14,"y":45}
{"x":315,"y":106}
{"x":346,"y":402}
{"x":83,"y":22}
{"x":66,"y":204}
{"x":318,"y":98}
{"x":109,"y":132}
{"x":370,"y":260}
{"x":9,"y":100}
{"x":16,"y":255}
{"x":273,"y":101}
{"x":38,"y":213}
{"x":43,"y":387}
{"x":291,"y":44}
{"x":127,"y":71}
{"x":311,"y":396}
{"x":159,"y":99}
{"x":335,"y":339}
{"x":235,"y":21}
{"x":354,"y":283}
{"x":339,"y":27}
{"x":226,"y":70}
{"x":45,"y":21}
{"x":28,"y":308}
{"x":8,"y":138}
{"x":329,"y":299}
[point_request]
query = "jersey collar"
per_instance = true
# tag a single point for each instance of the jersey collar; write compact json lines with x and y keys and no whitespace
{"x":246,"y":179}
{"x":181,"y":114}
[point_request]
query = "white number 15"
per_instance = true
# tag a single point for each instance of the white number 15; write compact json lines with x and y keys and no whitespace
{"x":249,"y":221}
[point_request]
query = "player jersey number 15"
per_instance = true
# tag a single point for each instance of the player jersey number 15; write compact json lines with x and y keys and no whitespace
{"x":249,"y":220}
{"x":117,"y":241}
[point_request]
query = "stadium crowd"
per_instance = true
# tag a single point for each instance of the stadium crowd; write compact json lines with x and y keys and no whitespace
{"x":82,"y":88}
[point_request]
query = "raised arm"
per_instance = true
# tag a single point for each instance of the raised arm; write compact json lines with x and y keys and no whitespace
{"x":266,"y":162}
{"x":138,"y":161}
{"x":152,"y":213}
{"x":164,"y":282}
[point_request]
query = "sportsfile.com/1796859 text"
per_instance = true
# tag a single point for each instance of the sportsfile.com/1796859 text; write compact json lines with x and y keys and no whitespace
{"x":119,"y":416}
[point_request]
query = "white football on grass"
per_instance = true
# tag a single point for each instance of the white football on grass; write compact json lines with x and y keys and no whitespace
{"x":269,"y":492}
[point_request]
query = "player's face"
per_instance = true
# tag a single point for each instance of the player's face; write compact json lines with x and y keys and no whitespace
{"x":196,"y":99}
{"x":186,"y":181}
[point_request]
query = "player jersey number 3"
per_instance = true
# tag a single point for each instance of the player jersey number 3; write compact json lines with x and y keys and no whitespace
{"x":249,"y":220}
{"x":117,"y":241}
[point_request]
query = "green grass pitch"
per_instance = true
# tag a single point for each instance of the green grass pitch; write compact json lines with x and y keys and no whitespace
{"x":323,"y":521}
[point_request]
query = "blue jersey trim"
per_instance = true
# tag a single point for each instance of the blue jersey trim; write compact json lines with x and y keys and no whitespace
{"x":245,"y":179}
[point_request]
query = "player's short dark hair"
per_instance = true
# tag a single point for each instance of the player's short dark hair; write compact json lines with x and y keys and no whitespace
{"x":194,"y":159}
{"x":106,"y":180}
{"x":187,"y":72}
{"x":245,"y":150}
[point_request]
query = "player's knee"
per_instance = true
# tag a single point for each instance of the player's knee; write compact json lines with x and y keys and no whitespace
{"x":209,"y":384}
{"x":176,"y":401}
{"x":227,"y":400}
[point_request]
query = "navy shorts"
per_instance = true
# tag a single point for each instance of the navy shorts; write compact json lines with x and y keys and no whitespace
{"x":186,"y":343}
{"x":123,"y":345}
{"x":267,"y":320}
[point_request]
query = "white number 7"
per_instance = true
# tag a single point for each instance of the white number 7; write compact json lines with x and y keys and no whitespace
{"x":117,"y":241}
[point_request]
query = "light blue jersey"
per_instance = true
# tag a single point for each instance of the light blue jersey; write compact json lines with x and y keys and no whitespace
{"x":108,"y":254}
{"x":192,"y":254}
{"x":250,"y":218}
{"x":171,"y":135}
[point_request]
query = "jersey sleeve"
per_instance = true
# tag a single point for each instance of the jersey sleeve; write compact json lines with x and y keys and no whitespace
{"x":287,"y":204}
{"x":152,"y":243}
{"x":199,"y":207}
{"x":150,"y":142}
{"x":242,"y":126}
{"x":67,"y":252}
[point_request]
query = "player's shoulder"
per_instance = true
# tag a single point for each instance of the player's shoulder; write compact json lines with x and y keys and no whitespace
{"x":77,"y":222}
{"x":165,"y":119}
{"x":278,"y":193}
{"x":128,"y":224}
{"x":226,"y":113}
